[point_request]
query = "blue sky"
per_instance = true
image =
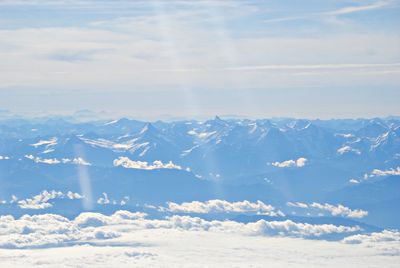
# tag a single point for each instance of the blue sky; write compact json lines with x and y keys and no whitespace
{"x":179,"y":58}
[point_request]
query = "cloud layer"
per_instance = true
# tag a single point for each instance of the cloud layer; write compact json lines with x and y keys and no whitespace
{"x":128,"y":238}
{"x":50,"y":230}
{"x":180,"y":45}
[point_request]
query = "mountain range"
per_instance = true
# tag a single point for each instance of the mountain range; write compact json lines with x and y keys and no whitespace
{"x":354,"y":162}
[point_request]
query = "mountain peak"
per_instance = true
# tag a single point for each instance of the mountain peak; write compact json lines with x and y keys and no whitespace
{"x":123,"y":120}
{"x":73,"y":139}
{"x":299,"y":124}
{"x":217,"y":118}
{"x":374,"y":128}
{"x":148,"y":128}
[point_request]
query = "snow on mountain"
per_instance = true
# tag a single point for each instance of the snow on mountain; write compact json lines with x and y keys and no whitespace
{"x":197,"y":160}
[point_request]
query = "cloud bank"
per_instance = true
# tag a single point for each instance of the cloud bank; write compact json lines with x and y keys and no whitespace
{"x":182,"y":248}
{"x":128,"y":238}
{"x":50,"y":230}
{"x":384,"y":236}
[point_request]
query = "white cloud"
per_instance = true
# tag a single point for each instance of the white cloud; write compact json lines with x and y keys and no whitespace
{"x":380,"y":173}
{"x":14,"y":199}
{"x":72,"y":195}
{"x":377,"y":173}
{"x":354,"y":181}
{"x":125,"y":239}
{"x":55,"y":161}
{"x":201,"y":135}
{"x":49,"y":230}
{"x":176,"y":47}
{"x":347,"y":136}
{"x":340,"y":210}
{"x":103,"y":200}
{"x":384,"y":236}
{"x":347,"y":149}
{"x":301,"y":162}
{"x":117,"y":147}
{"x":41,"y":201}
{"x":4,"y":157}
{"x":124,"y":200}
{"x":157,"y":248}
{"x":331,"y":16}
{"x":48,"y":161}
{"x":222,"y":206}
{"x":297,"y":204}
{"x":311,"y":67}
{"x":353,"y":9}
{"x":48,"y":143}
{"x":334,"y":210}
{"x":76,"y":161}
{"x":127,"y":163}
{"x":291,"y":228}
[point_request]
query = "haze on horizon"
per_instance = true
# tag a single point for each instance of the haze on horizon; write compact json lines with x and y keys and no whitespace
{"x":152,"y":59}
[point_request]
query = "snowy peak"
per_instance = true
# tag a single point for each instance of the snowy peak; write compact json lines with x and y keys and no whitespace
{"x":148,"y":129}
{"x":217,"y":118}
{"x":299,"y":124}
{"x":389,"y":142}
{"x":373,"y":129}
{"x":217,"y":122}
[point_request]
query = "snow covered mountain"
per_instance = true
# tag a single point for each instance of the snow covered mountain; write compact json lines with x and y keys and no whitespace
{"x":131,"y":163}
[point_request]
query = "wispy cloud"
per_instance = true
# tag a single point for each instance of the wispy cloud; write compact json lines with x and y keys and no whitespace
{"x":71,"y":56}
{"x":184,"y":47}
{"x":314,"y":66}
{"x":331,"y":15}
{"x":353,"y":9}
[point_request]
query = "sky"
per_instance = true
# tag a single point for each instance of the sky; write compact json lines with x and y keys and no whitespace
{"x":163,"y":59}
